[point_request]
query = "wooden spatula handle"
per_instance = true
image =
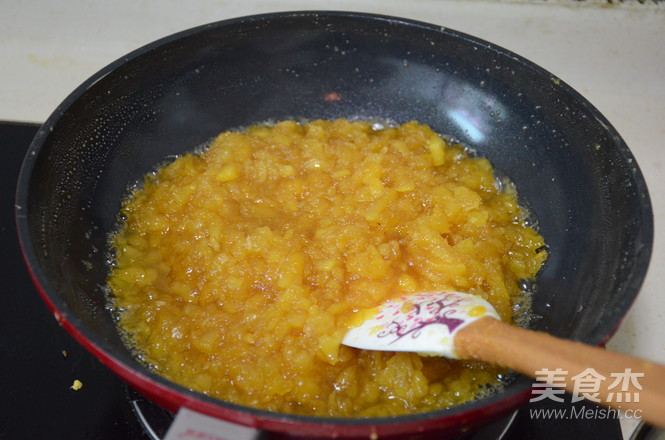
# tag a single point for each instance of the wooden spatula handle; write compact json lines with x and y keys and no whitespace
{"x":577,"y":367}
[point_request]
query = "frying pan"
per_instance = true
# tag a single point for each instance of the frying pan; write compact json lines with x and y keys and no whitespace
{"x":572,"y":169}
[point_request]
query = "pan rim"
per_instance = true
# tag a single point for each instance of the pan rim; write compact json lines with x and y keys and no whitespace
{"x":268,"y":419}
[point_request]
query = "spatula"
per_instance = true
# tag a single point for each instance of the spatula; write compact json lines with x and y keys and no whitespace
{"x":463,"y":326}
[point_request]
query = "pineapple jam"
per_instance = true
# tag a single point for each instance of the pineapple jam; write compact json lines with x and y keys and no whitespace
{"x":240,"y":268}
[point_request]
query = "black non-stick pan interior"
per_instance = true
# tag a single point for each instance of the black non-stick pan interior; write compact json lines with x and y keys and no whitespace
{"x":571,"y":168}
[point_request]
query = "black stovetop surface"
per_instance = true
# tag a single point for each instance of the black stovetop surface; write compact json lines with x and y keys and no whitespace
{"x":40,"y":360}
